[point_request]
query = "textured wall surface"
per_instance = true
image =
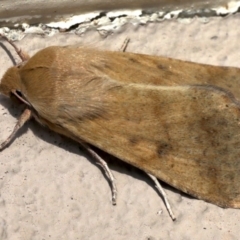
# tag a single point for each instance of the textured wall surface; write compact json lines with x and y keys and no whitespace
{"x":50,"y":189}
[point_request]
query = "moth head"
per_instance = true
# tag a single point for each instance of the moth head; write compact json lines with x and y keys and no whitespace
{"x":11,"y":81}
{"x":10,"y":84}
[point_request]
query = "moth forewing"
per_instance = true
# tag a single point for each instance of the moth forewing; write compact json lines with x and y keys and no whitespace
{"x":196,"y":153}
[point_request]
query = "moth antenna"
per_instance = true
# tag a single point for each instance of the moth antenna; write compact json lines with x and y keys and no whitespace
{"x":26,"y":115}
{"x":22,"y":54}
{"x":124,"y":45}
{"x":164,"y":196}
{"x":106,"y":169}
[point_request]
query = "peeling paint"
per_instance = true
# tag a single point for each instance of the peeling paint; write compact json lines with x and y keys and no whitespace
{"x":108,"y":22}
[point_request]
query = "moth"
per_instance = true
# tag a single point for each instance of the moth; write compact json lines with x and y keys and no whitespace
{"x":176,"y":120}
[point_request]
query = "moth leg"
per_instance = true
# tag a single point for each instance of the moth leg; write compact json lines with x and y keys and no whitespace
{"x":23,"y":55}
{"x":124,"y":45}
{"x":26,"y":115}
{"x":106,"y":169}
{"x":164,"y":196}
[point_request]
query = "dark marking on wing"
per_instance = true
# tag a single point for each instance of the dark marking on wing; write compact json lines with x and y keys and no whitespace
{"x":133,"y":140}
{"x":163,"y":148}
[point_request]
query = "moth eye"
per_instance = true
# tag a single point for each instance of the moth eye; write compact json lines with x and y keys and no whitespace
{"x":19,"y":93}
{"x":14,"y":97}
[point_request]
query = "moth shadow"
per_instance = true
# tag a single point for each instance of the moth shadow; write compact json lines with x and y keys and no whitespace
{"x":14,"y":110}
{"x":74,"y":147}
{"x":114,"y":163}
{"x":125,"y":168}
